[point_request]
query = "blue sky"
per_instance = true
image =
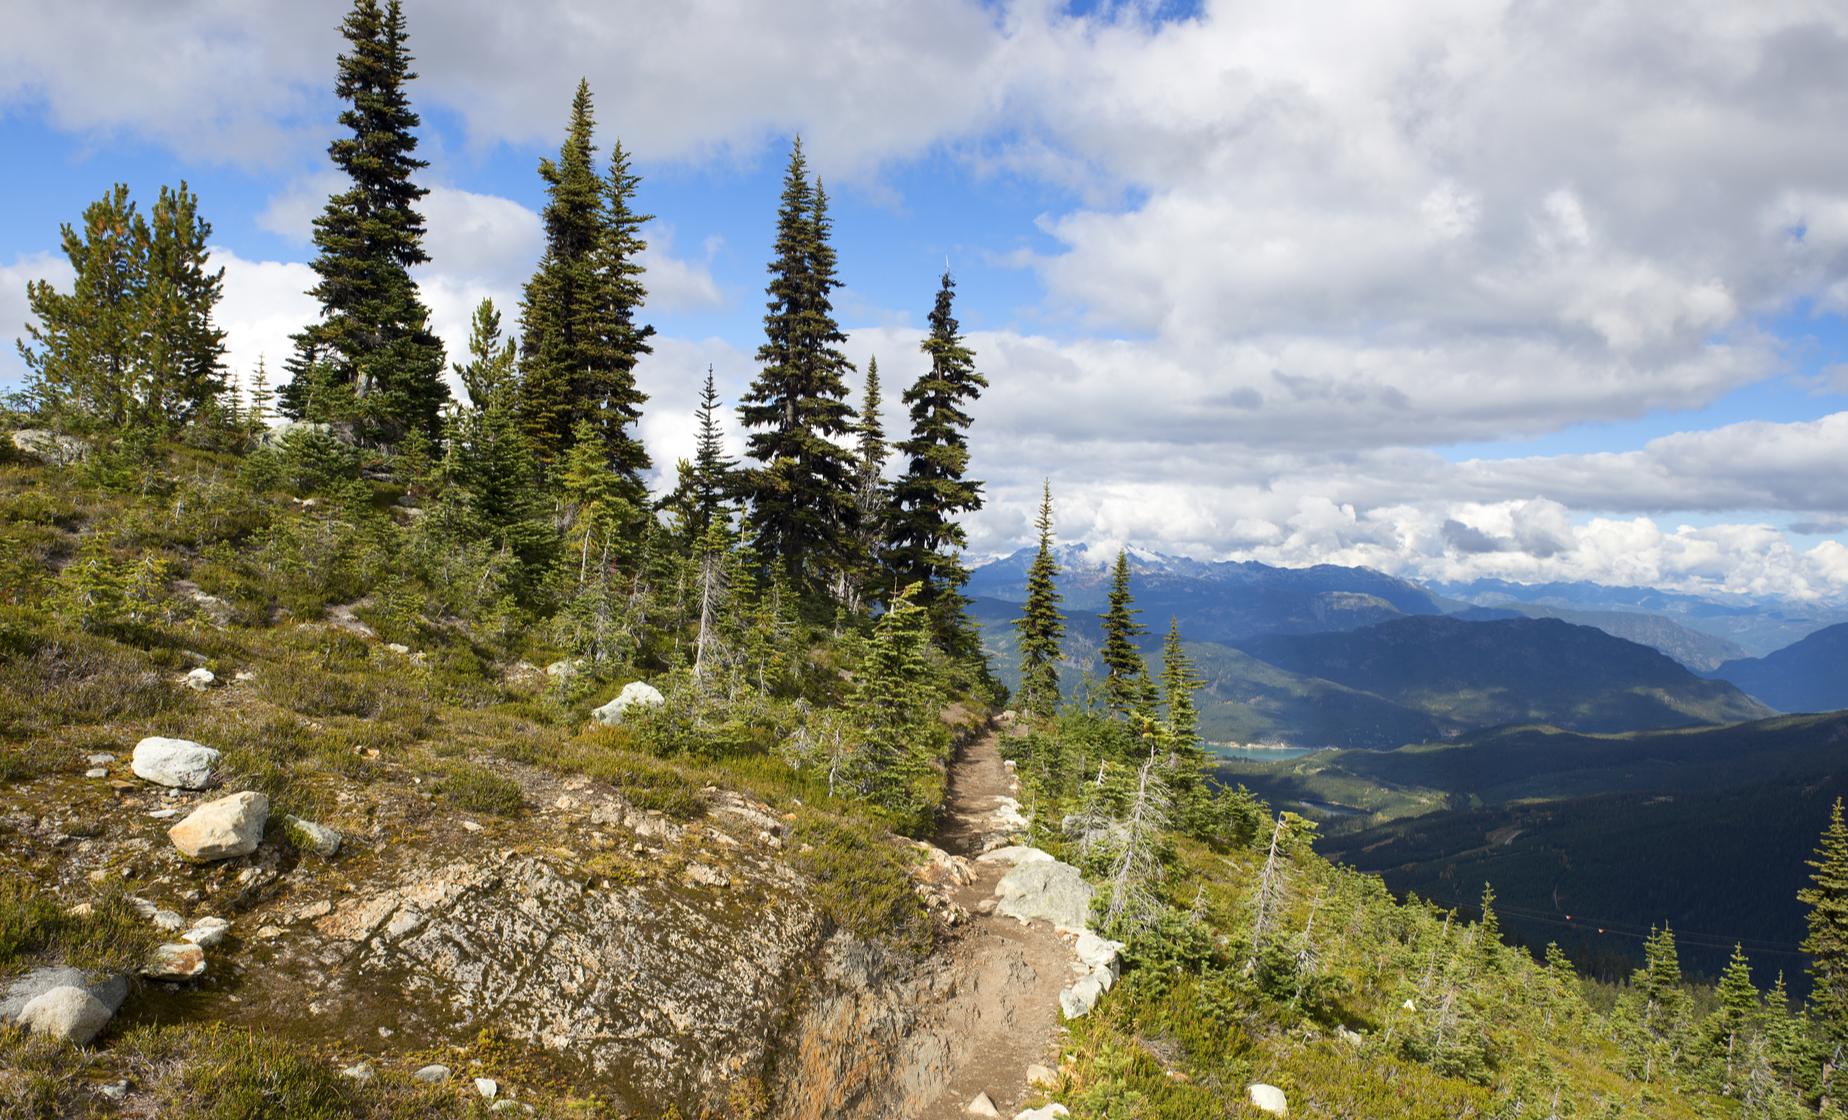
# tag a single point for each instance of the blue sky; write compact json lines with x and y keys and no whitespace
{"x":1250,"y":280}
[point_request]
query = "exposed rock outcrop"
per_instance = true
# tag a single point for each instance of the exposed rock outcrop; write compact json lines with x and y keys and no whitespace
{"x":635,"y":694}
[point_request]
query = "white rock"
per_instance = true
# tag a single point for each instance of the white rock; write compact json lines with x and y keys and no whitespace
{"x":1015,"y":854}
{"x":1045,"y":890}
{"x":207,"y":932}
{"x":168,"y":920}
{"x":178,"y":763}
{"x":981,"y":1106}
{"x":1080,"y":998}
{"x":432,"y":1074}
{"x":1046,"y":1112}
{"x":230,"y":826}
{"x":68,"y":1014}
{"x":201,"y":679}
{"x":398,"y":647}
{"x":1352,"y":1038}
{"x":96,"y":772}
{"x":100,"y":759}
{"x":1409,"y":1005}
{"x":634,"y":694}
{"x":114,"y":1090}
{"x":487,"y":1087}
{"x":164,"y":814}
{"x":1267,"y":1098}
{"x":361,"y":1072}
{"x":317,"y":838}
{"x":181,"y":960}
{"x":1041,"y":1077}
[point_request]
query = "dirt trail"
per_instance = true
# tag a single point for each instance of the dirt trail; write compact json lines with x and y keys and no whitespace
{"x":1008,"y":975}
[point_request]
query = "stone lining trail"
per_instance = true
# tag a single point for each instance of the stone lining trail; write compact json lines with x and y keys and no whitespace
{"x":1014,"y":972}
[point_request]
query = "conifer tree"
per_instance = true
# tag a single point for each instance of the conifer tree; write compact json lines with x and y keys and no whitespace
{"x":709,"y":477}
{"x":802,"y":499}
{"x":580,"y":342}
{"x":133,"y":342}
{"x":926,"y":536}
{"x":371,"y":356}
{"x":872,"y":495}
{"x":1827,"y":939}
{"x":1736,"y":1012}
{"x":1123,"y":665}
{"x":185,"y":348}
{"x":893,"y":698}
{"x":262,"y":397}
{"x":1040,"y":624}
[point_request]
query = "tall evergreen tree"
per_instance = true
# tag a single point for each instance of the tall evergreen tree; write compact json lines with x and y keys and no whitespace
{"x":185,"y":348}
{"x":1736,"y":1012}
{"x":606,"y":393}
{"x":1827,"y":939}
{"x":1040,"y":624}
{"x":580,"y":340}
{"x":872,"y":494}
{"x":371,"y":356}
{"x":133,"y":342}
{"x":926,"y":536}
{"x":802,"y":495}
{"x":709,"y":480}
{"x":1123,"y":666}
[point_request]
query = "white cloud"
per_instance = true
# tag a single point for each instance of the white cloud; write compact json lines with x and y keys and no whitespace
{"x":15,"y":312}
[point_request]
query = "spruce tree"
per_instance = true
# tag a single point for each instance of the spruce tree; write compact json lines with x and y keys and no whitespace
{"x":1827,"y":939}
{"x":371,"y":357}
{"x":802,"y":494}
{"x":489,"y":462}
{"x":926,"y":537}
{"x":872,"y":495}
{"x":1123,"y":665}
{"x":1040,"y":624}
{"x":606,"y":393}
{"x":1737,"y":1011}
{"x":709,"y":479}
{"x":1186,"y":755}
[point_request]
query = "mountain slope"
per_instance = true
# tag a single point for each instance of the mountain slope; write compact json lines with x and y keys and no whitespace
{"x":1224,"y":601}
{"x":1479,"y":674}
{"x":1243,"y":699}
{"x":1698,"y":651}
{"x":1704,"y":828}
{"x":1810,"y":675}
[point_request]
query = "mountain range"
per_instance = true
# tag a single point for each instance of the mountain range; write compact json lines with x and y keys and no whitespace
{"x":1350,"y":657}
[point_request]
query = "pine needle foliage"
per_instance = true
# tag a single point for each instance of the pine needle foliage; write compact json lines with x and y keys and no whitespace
{"x":371,"y":358}
{"x":1041,"y":625}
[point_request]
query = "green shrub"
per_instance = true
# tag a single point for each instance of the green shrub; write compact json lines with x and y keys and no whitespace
{"x":34,"y":924}
{"x":480,"y":789}
{"x":862,"y":881}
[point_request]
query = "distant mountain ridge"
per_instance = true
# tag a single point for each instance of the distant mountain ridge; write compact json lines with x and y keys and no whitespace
{"x":1476,"y":674}
{"x":1810,"y":675}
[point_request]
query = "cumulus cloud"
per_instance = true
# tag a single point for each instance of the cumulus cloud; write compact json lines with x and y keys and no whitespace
{"x":1313,"y":245}
{"x":15,"y":313}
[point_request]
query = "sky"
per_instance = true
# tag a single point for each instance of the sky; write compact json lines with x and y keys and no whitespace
{"x":1449,"y":288}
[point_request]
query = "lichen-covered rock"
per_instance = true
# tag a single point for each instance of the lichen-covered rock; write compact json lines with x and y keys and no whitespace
{"x":1080,"y":998}
{"x":230,"y":826}
{"x":1045,"y":890}
{"x":432,"y":1074}
{"x":309,"y":836}
{"x":181,"y":960}
{"x":175,"y":763}
{"x":635,"y":694}
{"x":50,"y":447}
{"x":69,"y":1014}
